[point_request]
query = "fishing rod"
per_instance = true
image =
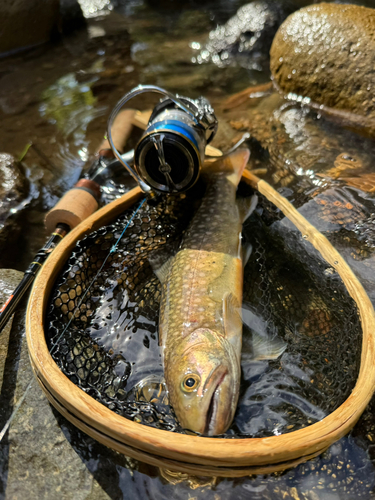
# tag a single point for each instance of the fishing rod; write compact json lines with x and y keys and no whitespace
{"x":12,"y":302}
{"x":74,"y":207}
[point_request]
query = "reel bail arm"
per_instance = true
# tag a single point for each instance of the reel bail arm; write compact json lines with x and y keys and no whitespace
{"x":171,"y":152}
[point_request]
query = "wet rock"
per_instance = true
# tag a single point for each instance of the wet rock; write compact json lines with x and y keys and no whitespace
{"x":9,"y":279}
{"x":13,"y":190}
{"x":326,"y":52}
{"x":36,"y":459}
{"x":25,"y":23}
{"x":246,"y":38}
{"x":300,"y":147}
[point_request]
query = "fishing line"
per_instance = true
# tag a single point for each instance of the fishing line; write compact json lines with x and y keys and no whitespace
{"x":112,"y":250}
{"x":7,"y":425}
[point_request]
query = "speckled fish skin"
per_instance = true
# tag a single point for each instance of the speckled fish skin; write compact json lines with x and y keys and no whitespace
{"x":200,"y":324}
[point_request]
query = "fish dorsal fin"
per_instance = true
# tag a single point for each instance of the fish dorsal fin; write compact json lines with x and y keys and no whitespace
{"x":163,"y":271}
{"x":234,"y":164}
{"x":246,"y":206}
{"x":238,"y":161}
{"x":232,"y":319}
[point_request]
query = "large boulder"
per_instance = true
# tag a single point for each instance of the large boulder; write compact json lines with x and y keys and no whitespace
{"x":25,"y":23}
{"x":326,"y":52}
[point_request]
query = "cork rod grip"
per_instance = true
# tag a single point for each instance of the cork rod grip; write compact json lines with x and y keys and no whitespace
{"x":75,"y":206}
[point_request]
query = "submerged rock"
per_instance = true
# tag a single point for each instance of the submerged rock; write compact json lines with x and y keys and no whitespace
{"x":326,"y":52}
{"x":246,"y":38}
{"x":12,"y":193}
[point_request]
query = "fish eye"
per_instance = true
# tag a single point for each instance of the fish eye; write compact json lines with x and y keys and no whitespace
{"x":190,"y":382}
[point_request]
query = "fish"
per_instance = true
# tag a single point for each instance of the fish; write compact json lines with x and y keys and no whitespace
{"x":200,"y":324}
{"x":116,"y":320}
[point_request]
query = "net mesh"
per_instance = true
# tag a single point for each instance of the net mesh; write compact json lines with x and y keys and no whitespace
{"x":110,"y":347}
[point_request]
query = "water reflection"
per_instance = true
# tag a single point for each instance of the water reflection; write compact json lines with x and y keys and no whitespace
{"x":93,"y":8}
{"x":71,"y":105}
{"x":292,"y":158}
{"x":344,"y":472}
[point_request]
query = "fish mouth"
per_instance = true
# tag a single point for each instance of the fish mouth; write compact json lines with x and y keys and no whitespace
{"x":213,"y":407}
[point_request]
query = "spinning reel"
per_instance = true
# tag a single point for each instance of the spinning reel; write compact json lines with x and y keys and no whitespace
{"x":169,"y":156}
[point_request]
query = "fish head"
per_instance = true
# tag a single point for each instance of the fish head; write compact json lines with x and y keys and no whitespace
{"x":203,"y":382}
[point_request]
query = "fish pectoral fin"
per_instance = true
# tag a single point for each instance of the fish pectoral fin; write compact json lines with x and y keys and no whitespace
{"x":246,"y":206}
{"x":246,"y":250}
{"x":265,"y":347}
{"x":163,"y":271}
{"x":231,"y":315}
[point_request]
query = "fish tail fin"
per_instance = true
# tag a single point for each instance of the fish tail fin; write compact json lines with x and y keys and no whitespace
{"x":233,"y":163}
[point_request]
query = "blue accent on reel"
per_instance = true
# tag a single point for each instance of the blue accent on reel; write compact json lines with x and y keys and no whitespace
{"x":175,"y":126}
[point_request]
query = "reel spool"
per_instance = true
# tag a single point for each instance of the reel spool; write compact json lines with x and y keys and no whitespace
{"x":169,"y":156}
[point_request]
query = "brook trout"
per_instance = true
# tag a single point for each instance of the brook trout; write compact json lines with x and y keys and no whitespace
{"x":200,"y":326}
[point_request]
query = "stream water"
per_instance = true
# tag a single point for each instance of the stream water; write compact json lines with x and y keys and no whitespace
{"x":58,"y":98}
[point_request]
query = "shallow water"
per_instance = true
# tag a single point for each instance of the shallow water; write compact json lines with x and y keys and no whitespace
{"x":59,"y":97}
